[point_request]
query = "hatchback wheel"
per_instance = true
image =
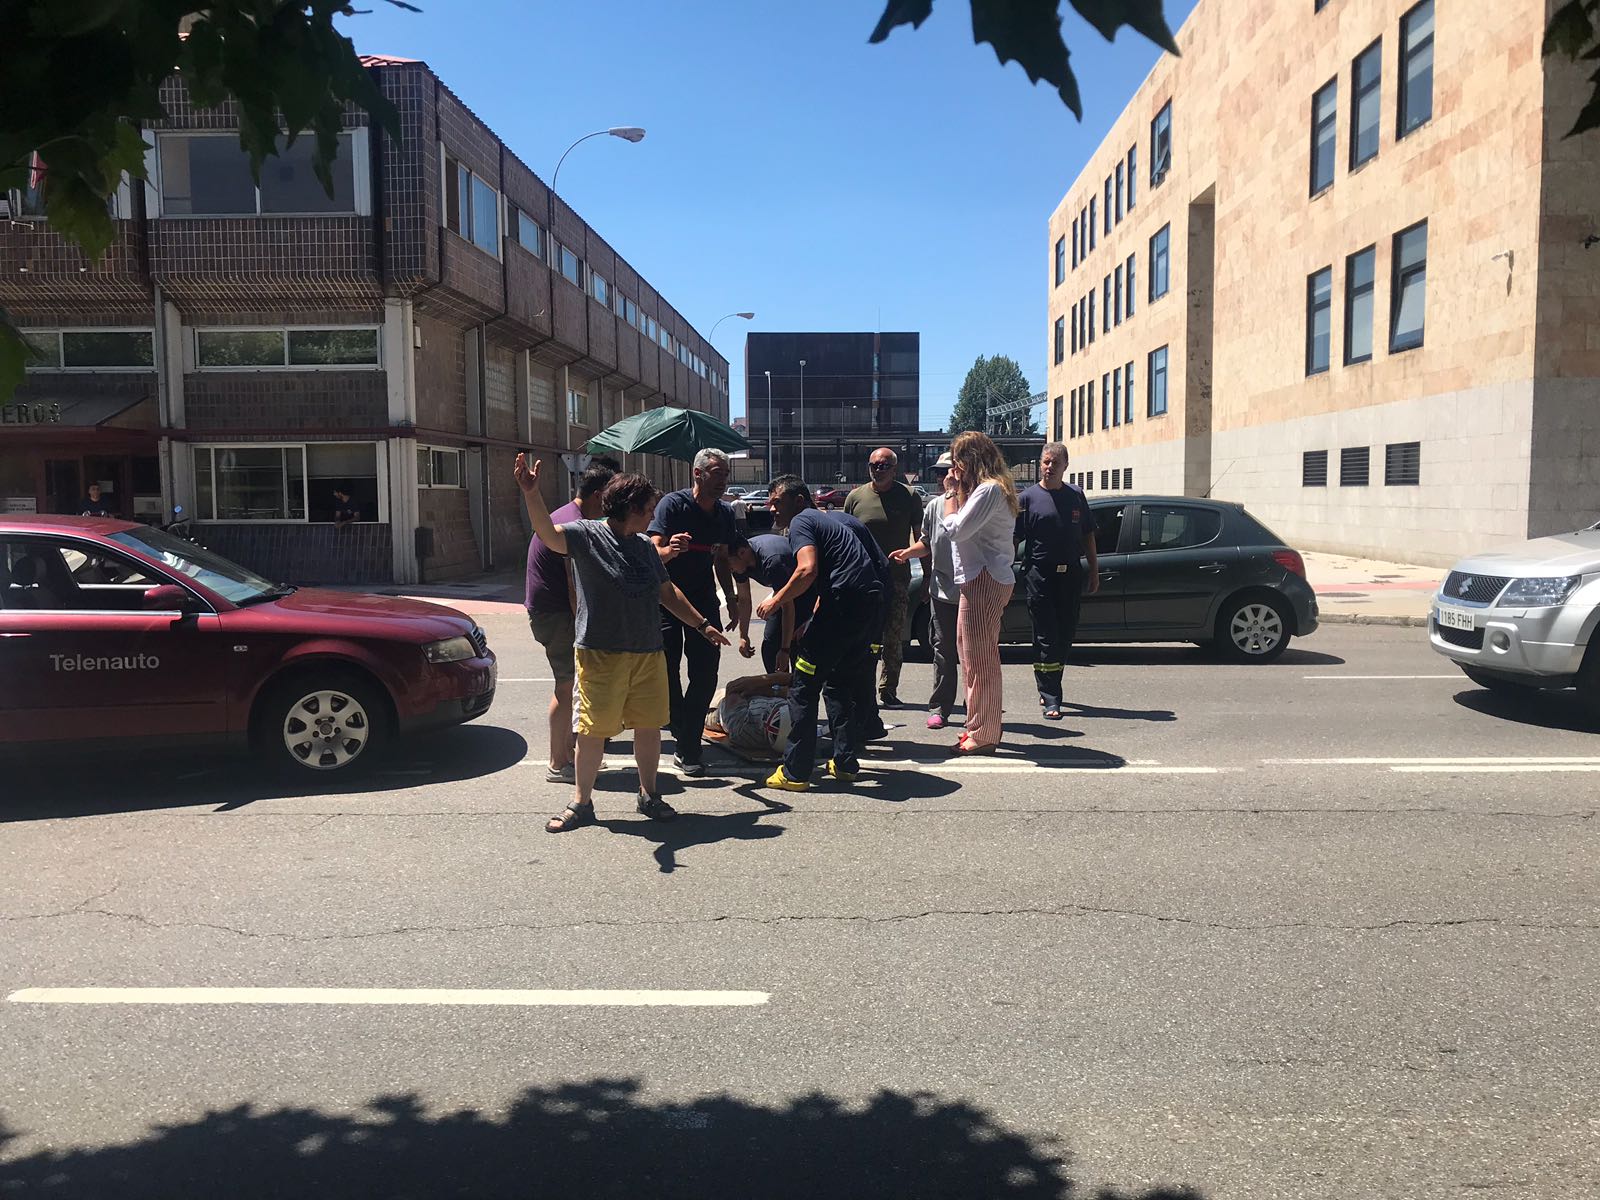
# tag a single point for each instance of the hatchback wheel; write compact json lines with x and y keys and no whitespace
{"x":332,"y":723}
{"x":1252,"y":629}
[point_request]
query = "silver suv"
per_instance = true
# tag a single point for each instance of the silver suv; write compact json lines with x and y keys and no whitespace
{"x":1524,"y":615}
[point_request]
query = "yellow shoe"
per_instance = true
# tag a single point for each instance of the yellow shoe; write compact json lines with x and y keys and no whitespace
{"x":839,"y":773}
{"x":780,"y":780}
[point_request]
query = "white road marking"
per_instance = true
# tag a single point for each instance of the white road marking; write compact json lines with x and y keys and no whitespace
{"x":1458,"y":675}
{"x":1467,"y":769}
{"x":993,"y":767}
{"x":501,"y":997}
{"x":526,"y":679}
{"x":1464,"y":760}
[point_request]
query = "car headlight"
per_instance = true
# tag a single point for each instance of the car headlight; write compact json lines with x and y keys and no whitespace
{"x":450,"y":650}
{"x":1541,"y":592}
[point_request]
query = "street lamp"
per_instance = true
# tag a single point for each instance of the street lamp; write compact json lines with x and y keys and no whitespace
{"x":720,"y":320}
{"x":802,"y":420}
{"x":628,"y":133}
{"x":769,"y":423}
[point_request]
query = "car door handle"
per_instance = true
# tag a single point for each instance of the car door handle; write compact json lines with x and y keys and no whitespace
{"x":1214,"y":567}
{"x":14,"y":635}
{"x":1108,"y":574}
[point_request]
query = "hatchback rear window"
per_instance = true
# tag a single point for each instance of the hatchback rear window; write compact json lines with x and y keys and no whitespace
{"x":1175,"y":526}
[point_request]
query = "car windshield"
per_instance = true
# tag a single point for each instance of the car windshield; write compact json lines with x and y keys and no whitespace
{"x":228,"y":579}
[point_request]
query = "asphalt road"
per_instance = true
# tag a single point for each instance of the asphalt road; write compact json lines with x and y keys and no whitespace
{"x":1149,"y":949}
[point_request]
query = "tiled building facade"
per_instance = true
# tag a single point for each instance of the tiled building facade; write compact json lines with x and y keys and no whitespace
{"x":243,"y":350}
{"x":1338,"y":262}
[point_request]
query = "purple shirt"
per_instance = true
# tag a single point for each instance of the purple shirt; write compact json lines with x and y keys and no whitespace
{"x":547,"y":570}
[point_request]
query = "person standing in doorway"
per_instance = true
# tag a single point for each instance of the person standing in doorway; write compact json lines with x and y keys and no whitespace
{"x":94,"y":506}
{"x":621,"y":584}
{"x":889,"y":510}
{"x":1056,"y":529}
{"x":552,"y":614}
{"x":980,"y":518}
{"x":693,"y":529}
{"x":836,"y":555}
{"x":944,"y":595}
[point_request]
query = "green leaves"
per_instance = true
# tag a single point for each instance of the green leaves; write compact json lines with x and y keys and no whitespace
{"x":1574,"y":31}
{"x":1028,"y":32}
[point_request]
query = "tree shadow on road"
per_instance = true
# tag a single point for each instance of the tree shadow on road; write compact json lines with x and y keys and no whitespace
{"x":594,"y":1139}
{"x":49,"y":785}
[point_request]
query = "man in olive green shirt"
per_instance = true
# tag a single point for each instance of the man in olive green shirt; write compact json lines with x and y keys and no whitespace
{"x":889,"y":509}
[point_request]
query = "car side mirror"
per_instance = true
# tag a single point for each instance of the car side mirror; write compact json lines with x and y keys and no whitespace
{"x":168,"y":597}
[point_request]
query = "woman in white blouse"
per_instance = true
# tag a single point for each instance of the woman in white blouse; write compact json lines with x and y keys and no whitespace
{"x":981,"y":518}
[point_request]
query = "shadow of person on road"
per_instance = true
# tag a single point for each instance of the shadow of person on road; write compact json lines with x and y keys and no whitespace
{"x":1533,"y":706}
{"x":698,"y":829}
{"x":598,"y":1138}
{"x":47,"y":785}
{"x":1119,"y":714}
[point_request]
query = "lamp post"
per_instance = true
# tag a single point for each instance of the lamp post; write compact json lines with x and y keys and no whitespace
{"x":802,"y":420}
{"x":770,"y":471}
{"x":750,"y":316}
{"x":628,"y":133}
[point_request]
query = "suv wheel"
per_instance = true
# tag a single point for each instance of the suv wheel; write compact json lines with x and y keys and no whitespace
{"x":1252,"y":628}
{"x":329,"y":722}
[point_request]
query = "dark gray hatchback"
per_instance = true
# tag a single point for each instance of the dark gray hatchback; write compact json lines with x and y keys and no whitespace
{"x":1176,"y":569}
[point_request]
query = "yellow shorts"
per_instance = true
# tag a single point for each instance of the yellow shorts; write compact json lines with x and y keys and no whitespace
{"x":619,"y":690}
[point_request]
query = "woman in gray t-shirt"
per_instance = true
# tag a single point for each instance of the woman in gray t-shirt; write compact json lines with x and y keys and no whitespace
{"x":621,"y":583}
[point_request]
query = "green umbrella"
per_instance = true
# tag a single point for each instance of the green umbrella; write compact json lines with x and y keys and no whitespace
{"x":670,"y":432}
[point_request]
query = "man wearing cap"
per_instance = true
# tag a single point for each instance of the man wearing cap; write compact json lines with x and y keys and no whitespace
{"x":1056,"y":527}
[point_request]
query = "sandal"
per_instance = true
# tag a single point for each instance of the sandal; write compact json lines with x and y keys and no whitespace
{"x":574,"y":816}
{"x":1052,"y":712}
{"x":655,"y":807}
{"x":965,"y":746}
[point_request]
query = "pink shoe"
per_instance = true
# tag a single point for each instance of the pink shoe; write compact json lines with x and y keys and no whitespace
{"x":935,"y":721}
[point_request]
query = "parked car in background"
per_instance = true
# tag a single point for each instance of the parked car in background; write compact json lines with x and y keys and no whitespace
{"x":828,"y":495}
{"x":1177,"y":569}
{"x":112,"y":632}
{"x":1525,"y":615}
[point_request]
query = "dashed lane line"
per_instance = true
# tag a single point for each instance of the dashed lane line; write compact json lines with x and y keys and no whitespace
{"x":490,"y":997}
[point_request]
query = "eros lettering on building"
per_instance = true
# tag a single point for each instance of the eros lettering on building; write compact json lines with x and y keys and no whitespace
{"x":30,"y":414}
{"x":115,"y":662}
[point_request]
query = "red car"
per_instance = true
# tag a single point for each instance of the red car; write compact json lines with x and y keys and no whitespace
{"x":826,"y":495}
{"x":117,"y":632}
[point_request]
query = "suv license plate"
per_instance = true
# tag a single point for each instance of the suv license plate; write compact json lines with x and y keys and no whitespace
{"x":1455,"y":618}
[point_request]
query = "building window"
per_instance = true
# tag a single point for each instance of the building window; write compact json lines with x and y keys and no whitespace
{"x":577,"y":408}
{"x":1091,"y":222}
{"x":1324,"y":135}
{"x":1127,"y":393}
{"x":1159,"y":264}
{"x":1416,"y":68}
{"x":1319,"y":5}
{"x":1132,"y":288}
{"x":1074,"y":245}
{"x":1402,"y":464}
{"x":650,"y":328}
{"x":234,"y":349}
{"x":1105,"y":400}
{"x":1107,"y":206}
{"x":1155,"y":382}
{"x":570,"y":265}
{"x":1314,"y":468}
{"x":597,"y":288}
{"x":250,"y":483}
{"x":1116,"y":478}
{"x":1133,"y":174}
{"x":1408,"y":292}
{"x":1161,"y":145}
{"x":441,"y":467}
{"x":90,"y":349}
{"x":471,"y":207}
{"x":1358,"y":291}
{"x":525,"y":230}
{"x":1061,"y":261}
{"x":1088,"y":406}
{"x":1353,"y":461}
{"x":1116,"y":397}
{"x":1073,"y":325}
{"x":208,"y":175}
{"x":1116,"y":294}
{"x":1366,"y":103}
{"x":1105,"y":479}
{"x":1061,"y":339}
{"x":1319,"y":315}
{"x":1119,"y":192}
{"x":1105,"y":305}
{"x":1091,"y":316}
{"x":1127,"y":478}
{"x":1083,"y":233}
{"x":1058,"y":427}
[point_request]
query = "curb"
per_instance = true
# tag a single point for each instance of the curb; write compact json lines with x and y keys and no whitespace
{"x":1328,"y":618}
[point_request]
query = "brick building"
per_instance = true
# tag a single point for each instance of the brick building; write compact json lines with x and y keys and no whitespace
{"x":1338,"y":262}
{"x":243,"y":349}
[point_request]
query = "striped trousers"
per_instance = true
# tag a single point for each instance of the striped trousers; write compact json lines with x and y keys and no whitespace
{"x":983,"y":600}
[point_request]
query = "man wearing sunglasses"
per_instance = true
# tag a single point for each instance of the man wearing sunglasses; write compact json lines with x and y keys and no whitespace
{"x":891,"y":513}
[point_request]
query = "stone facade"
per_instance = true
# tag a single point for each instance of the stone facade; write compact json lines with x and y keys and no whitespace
{"x":1503,"y":394}
{"x":479,"y":343}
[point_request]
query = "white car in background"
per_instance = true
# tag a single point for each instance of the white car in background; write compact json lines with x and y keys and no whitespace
{"x":1525,"y":615}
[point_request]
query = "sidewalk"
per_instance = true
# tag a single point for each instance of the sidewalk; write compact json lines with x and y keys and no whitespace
{"x":1366,"y":591}
{"x":1357,"y":591}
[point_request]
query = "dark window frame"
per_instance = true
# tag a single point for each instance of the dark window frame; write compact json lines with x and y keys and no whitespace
{"x":1160,"y":128}
{"x":1354,"y":291}
{"x":1314,"y":469}
{"x":1152,"y":374}
{"x":1360,"y":89}
{"x":1160,"y":263}
{"x":1400,"y":274}
{"x":1061,"y":260}
{"x":1127,"y":394}
{"x":1402,"y":464}
{"x":1325,"y":135}
{"x":1061,"y":340}
{"x":1130,"y":270}
{"x":1314,"y":307}
{"x":1355,"y":466}
{"x":1408,"y":52}
{"x":1133,"y":174}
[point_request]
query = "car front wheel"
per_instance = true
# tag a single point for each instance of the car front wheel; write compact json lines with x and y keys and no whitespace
{"x":1253,"y":629}
{"x":324,"y":723}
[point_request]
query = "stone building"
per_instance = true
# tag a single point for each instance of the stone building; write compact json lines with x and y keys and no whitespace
{"x":245,"y":349}
{"x":1337,"y":261}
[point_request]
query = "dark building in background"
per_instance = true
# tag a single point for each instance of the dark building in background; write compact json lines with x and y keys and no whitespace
{"x":855,"y":392}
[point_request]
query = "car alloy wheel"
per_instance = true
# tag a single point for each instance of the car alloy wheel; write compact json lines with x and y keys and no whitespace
{"x":326,"y":729}
{"x":1256,"y":629}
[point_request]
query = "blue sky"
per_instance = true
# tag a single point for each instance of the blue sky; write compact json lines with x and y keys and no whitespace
{"x":789,"y":167}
